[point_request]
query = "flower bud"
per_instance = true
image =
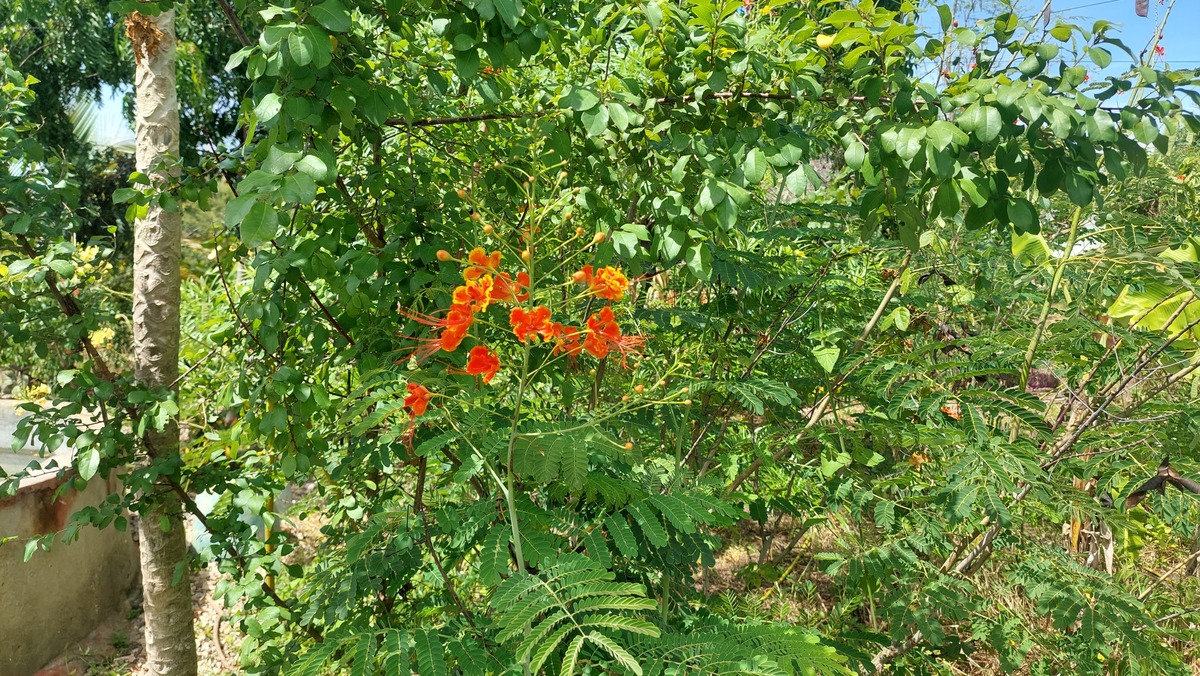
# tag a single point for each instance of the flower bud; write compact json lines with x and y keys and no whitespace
{"x":525,"y":255}
{"x":578,"y":277}
{"x":443,"y":255}
{"x":598,"y":238}
{"x":629,"y":445}
{"x":639,"y":389}
{"x":475,"y":216}
{"x":462,"y":194}
{"x":488,"y":229}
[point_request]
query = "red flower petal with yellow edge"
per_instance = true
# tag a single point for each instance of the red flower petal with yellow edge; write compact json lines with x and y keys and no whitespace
{"x":609,"y":283}
{"x":417,"y":400}
{"x":475,"y":294}
{"x":524,"y":323}
{"x":484,"y":362}
{"x":481,"y":263}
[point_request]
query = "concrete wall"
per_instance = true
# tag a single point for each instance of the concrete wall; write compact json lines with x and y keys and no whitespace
{"x":58,"y":597}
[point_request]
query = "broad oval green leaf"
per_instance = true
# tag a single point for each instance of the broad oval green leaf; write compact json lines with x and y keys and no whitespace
{"x":260,"y":224}
{"x":333,"y":15}
{"x":755,"y":166}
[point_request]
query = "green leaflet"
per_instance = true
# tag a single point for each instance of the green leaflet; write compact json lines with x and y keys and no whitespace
{"x":531,"y":611}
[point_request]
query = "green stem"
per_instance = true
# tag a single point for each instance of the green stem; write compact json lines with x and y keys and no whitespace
{"x":1054,"y":282}
{"x":510,"y":478}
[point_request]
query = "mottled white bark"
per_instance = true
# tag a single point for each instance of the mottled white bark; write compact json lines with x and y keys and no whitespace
{"x":170,"y":635}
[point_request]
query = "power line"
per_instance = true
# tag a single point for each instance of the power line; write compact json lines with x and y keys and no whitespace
{"x":1085,"y":6}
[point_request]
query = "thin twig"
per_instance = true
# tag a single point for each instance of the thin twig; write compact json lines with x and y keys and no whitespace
{"x":1193,"y":556}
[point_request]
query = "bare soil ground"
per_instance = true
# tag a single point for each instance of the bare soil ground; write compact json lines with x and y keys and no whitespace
{"x":117,"y":647}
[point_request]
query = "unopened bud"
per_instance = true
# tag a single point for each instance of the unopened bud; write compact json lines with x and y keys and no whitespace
{"x":598,"y":238}
{"x":443,"y":255}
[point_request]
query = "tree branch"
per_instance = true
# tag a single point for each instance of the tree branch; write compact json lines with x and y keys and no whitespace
{"x":234,"y":23}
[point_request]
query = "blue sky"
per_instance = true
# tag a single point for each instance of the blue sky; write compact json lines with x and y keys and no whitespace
{"x":1179,"y":39}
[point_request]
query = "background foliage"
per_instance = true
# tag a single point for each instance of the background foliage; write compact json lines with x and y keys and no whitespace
{"x":915,"y":316}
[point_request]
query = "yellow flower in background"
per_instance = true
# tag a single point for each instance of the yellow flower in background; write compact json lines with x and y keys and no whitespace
{"x":89,"y":263}
{"x":38,"y":394}
{"x":102,"y":337}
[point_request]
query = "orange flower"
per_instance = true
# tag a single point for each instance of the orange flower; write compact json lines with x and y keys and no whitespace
{"x":417,"y":399}
{"x":483,"y":361}
{"x":505,"y":290}
{"x":604,"y":334}
{"x":453,"y":326}
{"x":535,"y":321}
{"x":451,"y":338}
{"x":480,"y":263}
{"x":566,"y":339}
{"x":602,"y":330}
{"x":476,"y":294}
{"x":607,"y":282}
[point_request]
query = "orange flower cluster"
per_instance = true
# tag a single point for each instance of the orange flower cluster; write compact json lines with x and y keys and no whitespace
{"x":607,"y":282}
{"x":483,"y":285}
{"x":526,"y":323}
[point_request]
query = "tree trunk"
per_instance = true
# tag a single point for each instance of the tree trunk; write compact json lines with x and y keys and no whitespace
{"x":170,"y":636}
